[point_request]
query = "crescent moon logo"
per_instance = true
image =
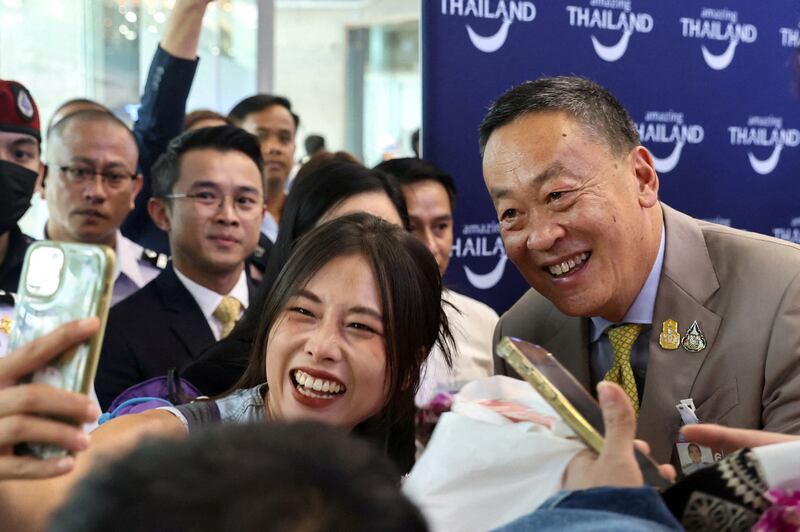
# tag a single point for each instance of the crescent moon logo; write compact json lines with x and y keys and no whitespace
{"x":768,"y":165}
{"x":720,"y":62}
{"x":612,"y":53}
{"x":667,"y":164}
{"x":487,"y":280}
{"x":492,"y":43}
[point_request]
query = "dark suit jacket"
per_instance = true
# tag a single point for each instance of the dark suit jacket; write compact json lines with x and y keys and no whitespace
{"x":744,"y":291}
{"x":159,"y":327}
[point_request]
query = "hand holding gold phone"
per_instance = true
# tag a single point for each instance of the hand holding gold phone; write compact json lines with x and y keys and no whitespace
{"x":569,"y":399}
{"x":62,"y":282}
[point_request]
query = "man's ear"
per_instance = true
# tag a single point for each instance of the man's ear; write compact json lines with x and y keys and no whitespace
{"x":646,"y":176}
{"x":137,"y":187}
{"x":38,"y":187}
{"x":159,"y":212}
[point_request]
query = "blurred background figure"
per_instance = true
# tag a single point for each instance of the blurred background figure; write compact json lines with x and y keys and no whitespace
{"x":276,"y":476}
{"x":430,"y":196}
{"x":204,"y":118}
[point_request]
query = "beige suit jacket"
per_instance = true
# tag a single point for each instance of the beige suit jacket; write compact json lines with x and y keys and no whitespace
{"x":744,"y":291}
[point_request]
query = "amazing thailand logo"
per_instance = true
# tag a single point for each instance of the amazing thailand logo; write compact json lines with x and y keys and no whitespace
{"x":506,"y":13}
{"x":615,"y":16}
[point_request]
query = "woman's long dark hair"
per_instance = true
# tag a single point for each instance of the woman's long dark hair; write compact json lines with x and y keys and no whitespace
{"x":410,"y":289}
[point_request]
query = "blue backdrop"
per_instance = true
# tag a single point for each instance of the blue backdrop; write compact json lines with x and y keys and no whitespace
{"x":711,"y":87}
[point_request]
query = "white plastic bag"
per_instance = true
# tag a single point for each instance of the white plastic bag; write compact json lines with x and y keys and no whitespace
{"x":481,"y":470}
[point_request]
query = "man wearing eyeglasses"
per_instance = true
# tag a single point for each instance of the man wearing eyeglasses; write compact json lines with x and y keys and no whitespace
{"x":90,"y":188}
{"x":208,"y":195}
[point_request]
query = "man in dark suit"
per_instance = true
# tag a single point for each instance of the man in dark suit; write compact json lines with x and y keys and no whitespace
{"x":627,"y":289}
{"x":209,"y":197}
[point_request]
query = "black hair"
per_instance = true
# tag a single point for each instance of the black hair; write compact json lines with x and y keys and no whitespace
{"x":259,"y":102}
{"x":166,"y":170}
{"x":198,"y":115}
{"x":415,"y":142}
{"x":585,"y":101}
{"x":270,"y":476}
{"x":87,"y":105}
{"x":314,"y":144}
{"x":86,"y":115}
{"x":409,"y":170}
{"x":410,"y":288}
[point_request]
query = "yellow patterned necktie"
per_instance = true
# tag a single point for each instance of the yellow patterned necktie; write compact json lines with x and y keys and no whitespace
{"x":622,"y":338}
{"x":227,"y":312}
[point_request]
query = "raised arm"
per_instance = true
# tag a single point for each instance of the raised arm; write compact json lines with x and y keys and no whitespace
{"x":163,"y":108}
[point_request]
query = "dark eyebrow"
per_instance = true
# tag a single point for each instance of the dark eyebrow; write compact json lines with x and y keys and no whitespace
{"x":302,"y":292}
{"x":368,"y":311}
{"x":542,"y":177}
{"x":91,"y":162}
{"x":25,"y":141}
{"x":212,"y":184}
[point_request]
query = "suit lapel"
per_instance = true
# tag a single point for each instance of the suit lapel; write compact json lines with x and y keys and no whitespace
{"x":687,"y":282}
{"x":569,"y":344}
{"x":187,"y":320}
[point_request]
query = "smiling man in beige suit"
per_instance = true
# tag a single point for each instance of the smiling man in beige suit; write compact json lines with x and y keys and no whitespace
{"x":625,"y":288}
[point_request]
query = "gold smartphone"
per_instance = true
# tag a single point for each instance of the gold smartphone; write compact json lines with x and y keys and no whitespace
{"x":568,"y":397}
{"x":62,"y":282}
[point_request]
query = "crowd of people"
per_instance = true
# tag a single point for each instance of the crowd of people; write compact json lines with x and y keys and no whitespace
{"x":294,"y":331}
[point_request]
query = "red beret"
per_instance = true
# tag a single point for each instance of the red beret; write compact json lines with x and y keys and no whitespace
{"x":18,"y":111}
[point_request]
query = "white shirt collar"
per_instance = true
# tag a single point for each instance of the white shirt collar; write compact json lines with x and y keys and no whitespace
{"x":641,"y":311}
{"x":128,"y":253}
{"x":208,"y":300}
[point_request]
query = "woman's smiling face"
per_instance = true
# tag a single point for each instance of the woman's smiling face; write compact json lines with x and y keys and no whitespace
{"x":326,"y":353}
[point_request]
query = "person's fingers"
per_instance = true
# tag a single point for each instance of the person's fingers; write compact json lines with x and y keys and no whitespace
{"x":46,"y":400}
{"x":668,"y":472}
{"x":643,"y":446}
{"x":728,"y":439}
{"x":29,"y":467}
{"x":37,"y":353}
{"x":618,"y":417}
{"x":35,"y":429}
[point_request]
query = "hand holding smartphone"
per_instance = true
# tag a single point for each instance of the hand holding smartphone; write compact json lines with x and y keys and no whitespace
{"x":568,"y":398}
{"x":62,"y":282}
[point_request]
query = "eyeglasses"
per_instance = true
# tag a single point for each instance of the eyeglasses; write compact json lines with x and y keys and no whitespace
{"x":79,"y":175}
{"x":246,"y":205}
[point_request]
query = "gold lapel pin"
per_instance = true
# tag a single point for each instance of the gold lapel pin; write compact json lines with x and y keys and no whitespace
{"x":5,"y":325}
{"x":693,"y":340}
{"x":669,"y":338}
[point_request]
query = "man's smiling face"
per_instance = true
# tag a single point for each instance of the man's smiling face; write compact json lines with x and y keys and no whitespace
{"x":577,"y":220}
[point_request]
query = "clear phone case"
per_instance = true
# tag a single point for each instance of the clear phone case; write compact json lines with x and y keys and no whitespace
{"x":62,"y":282}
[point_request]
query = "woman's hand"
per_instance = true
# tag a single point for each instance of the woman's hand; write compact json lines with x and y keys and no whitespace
{"x":23,"y":405}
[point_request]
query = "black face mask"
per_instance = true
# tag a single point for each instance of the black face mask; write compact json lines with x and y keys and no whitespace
{"x":16,"y":189}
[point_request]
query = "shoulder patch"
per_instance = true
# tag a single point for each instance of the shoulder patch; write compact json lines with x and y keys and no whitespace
{"x":155,"y":259}
{"x":8,"y":298}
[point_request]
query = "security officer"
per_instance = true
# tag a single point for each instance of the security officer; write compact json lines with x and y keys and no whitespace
{"x":90,"y":188}
{"x":20,"y":169}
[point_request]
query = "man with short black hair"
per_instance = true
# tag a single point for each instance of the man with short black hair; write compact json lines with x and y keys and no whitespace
{"x":208,"y":195}
{"x":430,"y":196}
{"x":625,"y":288}
{"x":271,"y":119}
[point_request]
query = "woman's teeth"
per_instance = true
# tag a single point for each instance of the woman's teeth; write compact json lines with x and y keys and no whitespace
{"x":307,"y":385}
{"x":568,"y":265}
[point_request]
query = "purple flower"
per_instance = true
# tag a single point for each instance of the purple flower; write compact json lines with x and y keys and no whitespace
{"x":783,"y":515}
